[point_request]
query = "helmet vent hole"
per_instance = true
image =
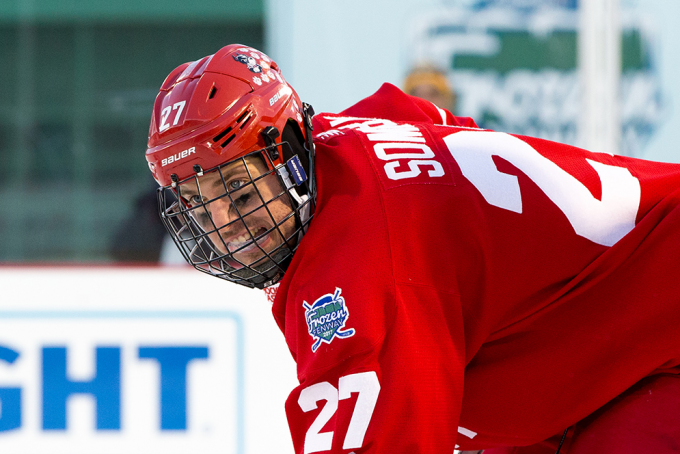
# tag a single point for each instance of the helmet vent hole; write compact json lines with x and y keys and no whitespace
{"x":226,"y":142}
{"x":235,"y":127}
{"x":212,"y":92}
{"x":246,"y":122}
{"x":222,"y":134}
{"x":243,"y":115}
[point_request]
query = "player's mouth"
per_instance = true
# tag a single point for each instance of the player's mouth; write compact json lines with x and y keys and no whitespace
{"x":245,"y":243}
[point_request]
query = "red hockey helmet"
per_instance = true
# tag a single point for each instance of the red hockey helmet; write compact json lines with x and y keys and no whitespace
{"x":222,"y":112}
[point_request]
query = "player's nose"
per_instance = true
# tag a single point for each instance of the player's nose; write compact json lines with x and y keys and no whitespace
{"x":225,"y":216}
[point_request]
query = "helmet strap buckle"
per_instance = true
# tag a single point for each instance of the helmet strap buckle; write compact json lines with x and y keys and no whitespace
{"x":269,"y":135}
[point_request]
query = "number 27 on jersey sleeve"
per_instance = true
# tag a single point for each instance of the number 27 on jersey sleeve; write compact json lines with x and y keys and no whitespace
{"x":364,"y":383}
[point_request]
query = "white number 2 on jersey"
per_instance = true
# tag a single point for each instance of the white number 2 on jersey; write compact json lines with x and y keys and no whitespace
{"x":603,"y":221}
{"x":364,"y":383}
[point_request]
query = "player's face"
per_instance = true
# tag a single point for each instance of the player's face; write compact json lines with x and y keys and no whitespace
{"x":244,"y":215}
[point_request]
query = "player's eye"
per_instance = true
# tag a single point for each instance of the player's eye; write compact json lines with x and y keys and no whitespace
{"x":235,"y":184}
{"x":196,"y":200}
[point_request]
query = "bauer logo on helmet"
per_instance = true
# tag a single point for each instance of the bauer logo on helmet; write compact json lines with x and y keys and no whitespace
{"x":176,"y":157}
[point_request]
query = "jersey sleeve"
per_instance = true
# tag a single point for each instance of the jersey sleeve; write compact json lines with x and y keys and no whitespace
{"x":380,"y":366}
{"x":401,"y":396}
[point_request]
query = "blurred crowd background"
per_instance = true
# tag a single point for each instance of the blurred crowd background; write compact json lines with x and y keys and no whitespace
{"x":78,"y":79}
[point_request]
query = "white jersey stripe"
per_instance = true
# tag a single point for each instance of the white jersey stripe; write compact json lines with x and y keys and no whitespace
{"x":442,"y":112}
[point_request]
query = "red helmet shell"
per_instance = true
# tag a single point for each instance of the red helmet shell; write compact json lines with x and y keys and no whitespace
{"x":212,"y":111}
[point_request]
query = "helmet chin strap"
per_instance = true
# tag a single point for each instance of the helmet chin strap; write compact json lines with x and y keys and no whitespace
{"x":304,"y":205}
{"x":304,"y":212}
{"x":308,"y":112}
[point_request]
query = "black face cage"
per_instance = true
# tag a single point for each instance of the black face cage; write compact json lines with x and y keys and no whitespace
{"x":209,"y":247}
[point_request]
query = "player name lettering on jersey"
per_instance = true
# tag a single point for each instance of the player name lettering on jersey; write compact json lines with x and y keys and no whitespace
{"x":396,"y":143}
{"x":330,"y":133}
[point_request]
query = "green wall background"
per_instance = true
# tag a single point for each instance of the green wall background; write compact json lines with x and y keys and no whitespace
{"x":77,"y":84}
{"x":130,"y":10}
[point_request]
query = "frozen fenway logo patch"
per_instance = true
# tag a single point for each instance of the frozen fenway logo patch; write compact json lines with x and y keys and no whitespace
{"x":326,"y":317}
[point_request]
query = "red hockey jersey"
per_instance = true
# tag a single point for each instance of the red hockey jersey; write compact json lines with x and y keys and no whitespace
{"x":464,"y":287}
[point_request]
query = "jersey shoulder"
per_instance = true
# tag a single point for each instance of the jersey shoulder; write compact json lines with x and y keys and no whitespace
{"x":390,"y":103}
{"x":399,"y":152}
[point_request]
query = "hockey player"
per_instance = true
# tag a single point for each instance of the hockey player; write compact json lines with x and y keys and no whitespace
{"x":441,"y":286}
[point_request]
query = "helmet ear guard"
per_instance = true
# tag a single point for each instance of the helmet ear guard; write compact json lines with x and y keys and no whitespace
{"x":297,"y":154}
{"x":296,"y":172}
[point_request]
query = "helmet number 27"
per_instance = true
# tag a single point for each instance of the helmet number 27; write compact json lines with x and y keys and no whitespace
{"x":179,"y":107}
{"x":364,"y":383}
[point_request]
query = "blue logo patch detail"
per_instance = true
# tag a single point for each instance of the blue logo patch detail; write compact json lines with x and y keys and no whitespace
{"x":296,"y":169}
{"x":326,"y":317}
